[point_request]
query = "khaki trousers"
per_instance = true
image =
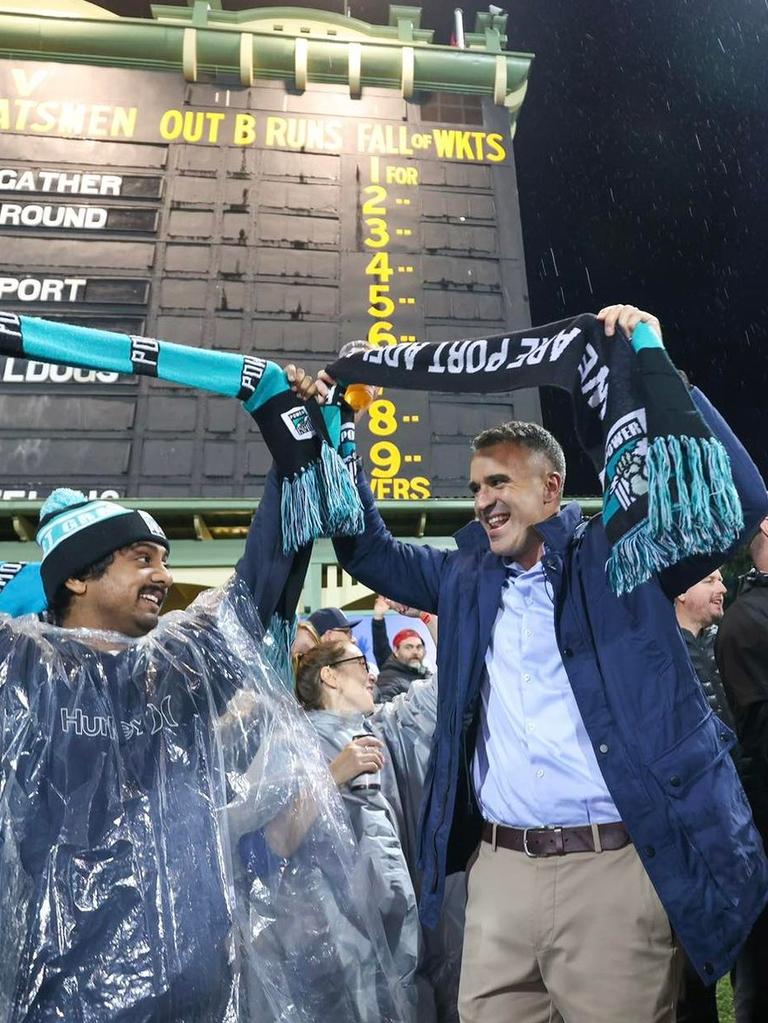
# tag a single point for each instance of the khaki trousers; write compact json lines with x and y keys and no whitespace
{"x":581,"y":938}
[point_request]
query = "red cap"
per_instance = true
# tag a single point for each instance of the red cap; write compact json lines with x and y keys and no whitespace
{"x":404,"y":634}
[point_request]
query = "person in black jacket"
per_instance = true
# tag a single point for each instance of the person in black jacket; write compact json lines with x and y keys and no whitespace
{"x":698,"y":612}
{"x":741,"y":651}
{"x":402,"y":662}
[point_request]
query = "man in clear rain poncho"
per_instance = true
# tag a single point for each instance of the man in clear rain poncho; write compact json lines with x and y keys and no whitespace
{"x":135,"y":751}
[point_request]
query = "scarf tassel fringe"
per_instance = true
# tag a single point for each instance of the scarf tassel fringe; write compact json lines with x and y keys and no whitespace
{"x":321,"y":500}
{"x":705,"y":517}
{"x":277,"y":645}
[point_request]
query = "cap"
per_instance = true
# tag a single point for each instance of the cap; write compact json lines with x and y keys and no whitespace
{"x":404,"y":634}
{"x":327,"y":618}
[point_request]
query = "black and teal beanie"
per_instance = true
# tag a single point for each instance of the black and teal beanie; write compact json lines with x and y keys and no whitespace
{"x":74,"y":532}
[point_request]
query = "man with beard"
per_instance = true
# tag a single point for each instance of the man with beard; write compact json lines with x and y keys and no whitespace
{"x":400,"y":664}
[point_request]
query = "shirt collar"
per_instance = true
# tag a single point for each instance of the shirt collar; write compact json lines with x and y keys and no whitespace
{"x":557,"y":531}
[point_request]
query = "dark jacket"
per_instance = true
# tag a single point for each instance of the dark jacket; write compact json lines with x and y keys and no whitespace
{"x":662,"y":751}
{"x":394,"y":676}
{"x":741,"y":650}
{"x":701,"y":650}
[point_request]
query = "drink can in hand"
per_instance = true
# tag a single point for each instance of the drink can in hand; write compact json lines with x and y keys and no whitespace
{"x":370,"y":782}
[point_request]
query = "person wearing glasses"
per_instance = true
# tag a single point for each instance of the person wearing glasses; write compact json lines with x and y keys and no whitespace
{"x":377,"y":757}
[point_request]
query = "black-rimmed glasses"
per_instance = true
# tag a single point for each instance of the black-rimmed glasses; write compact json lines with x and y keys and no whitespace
{"x":345,"y":660}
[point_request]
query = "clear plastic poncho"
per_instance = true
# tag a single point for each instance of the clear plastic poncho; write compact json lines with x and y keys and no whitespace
{"x":172,"y":847}
{"x":386,"y":825}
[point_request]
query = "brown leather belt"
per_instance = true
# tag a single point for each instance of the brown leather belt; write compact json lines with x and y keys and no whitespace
{"x":555,"y":841}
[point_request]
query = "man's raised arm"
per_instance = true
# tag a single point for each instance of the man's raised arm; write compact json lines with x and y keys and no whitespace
{"x":407,"y":573}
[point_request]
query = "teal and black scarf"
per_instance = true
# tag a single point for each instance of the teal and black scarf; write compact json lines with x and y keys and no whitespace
{"x":318,"y":493}
{"x":667,"y":485}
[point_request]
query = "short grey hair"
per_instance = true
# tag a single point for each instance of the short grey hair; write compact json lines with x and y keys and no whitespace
{"x":527,"y":435}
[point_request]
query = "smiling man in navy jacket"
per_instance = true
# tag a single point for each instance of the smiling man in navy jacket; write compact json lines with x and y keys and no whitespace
{"x":576,"y":766}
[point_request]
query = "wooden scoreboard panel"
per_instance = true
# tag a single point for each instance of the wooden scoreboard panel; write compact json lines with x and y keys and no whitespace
{"x":251,"y":219}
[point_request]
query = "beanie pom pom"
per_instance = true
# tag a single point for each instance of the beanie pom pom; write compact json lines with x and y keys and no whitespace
{"x":61,"y":499}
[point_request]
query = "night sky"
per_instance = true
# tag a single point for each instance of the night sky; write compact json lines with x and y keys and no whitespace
{"x":642,"y":156}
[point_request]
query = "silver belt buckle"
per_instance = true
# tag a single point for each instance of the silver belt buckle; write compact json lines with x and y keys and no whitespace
{"x":546,"y":827}
{"x":526,"y":850}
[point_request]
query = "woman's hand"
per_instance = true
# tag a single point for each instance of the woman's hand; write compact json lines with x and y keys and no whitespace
{"x":363,"y":755}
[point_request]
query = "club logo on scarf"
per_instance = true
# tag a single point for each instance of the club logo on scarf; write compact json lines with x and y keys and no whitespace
{"x":298,"y":424}
{"x":145,"y":352}
{"x":250,"y":376}
{"x":625,"y":477}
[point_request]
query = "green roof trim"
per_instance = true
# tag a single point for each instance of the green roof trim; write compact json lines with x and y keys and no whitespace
{"x":292,"y":44}
{"x":211,"y":532}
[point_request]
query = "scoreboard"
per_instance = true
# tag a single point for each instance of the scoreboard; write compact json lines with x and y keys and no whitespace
{"x":255,"y":219}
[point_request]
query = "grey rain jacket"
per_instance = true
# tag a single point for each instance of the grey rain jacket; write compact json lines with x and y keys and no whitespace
{"x":385,"y":824}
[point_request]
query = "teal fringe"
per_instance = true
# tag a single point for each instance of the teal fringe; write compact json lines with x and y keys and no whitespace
{"x":705,"y":518}
{"x":321,"y":500}
{"x":300,"y":509}
{"x":278,"y":641}
{"x":342,"y":508}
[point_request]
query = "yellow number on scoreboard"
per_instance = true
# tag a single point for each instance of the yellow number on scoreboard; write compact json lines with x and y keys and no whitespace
{"x":381,"y":304}
{"x":379,"y":235}
{"x":381,"y":417}
{"x":378,"y":266}
{"x":386,"y":457}
{"x":381,"y":334}
{"x":371,"y":207}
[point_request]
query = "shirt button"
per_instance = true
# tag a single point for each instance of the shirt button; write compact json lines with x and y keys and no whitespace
{"x":709,"y":968}
{"x":603,"y":747}
{"x":567,"y":652}
{"x":529,"y":726}
{"x":540,"y":773}
{"x":527,"y":632}
{"x":526,"y":678}
{"x":650,"y":852}
{"x":675,"y":780}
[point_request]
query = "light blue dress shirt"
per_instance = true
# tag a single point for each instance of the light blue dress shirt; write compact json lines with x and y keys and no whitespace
{"x":534,"y":764}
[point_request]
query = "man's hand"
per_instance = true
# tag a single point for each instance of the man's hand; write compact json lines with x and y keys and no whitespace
{"x":304,"y":385}
{"x":364,"y":755}
{"x":402,"y":609}
{"x":627,"y":317}
{"x":380,"y":607}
